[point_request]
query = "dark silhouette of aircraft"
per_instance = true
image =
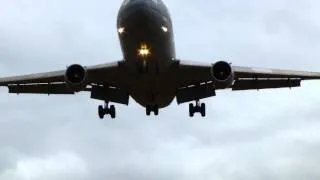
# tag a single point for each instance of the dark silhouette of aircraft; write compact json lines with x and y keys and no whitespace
{"x":150,"y":72}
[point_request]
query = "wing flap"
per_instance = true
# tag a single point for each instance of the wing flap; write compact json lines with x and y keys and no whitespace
{"x":264,"y":84}
{"x":202,"y":91}
{"x":193,"y":73}
{"x":110,"y":94}
{"x":242,"y":72}
{"x":60,"y":88}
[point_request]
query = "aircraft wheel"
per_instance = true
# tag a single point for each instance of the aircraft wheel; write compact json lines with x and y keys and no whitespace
{"x":191,"y":110}
{"x":203,"y":109}
{"x":112,"y":111}
{"x":156,"y":110}
{"x":148,"y":110}
{"x":101,"y":112}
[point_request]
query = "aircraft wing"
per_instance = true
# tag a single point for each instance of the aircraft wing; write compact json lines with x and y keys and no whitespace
{"x":245,"y":78}
{"x":54,"y":82}
{"x":262,"y":78}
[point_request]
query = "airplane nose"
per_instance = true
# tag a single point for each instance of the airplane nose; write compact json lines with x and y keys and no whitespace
{"x":138,"y":3}
{"x":136,"y":9}
{"x":142,"y":3}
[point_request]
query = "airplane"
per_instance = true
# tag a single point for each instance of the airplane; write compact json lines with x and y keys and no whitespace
{"x":150,"y":72}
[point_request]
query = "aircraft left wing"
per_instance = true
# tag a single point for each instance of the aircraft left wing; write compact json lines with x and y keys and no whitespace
{"x":262,"y":78}
{"x":191,"y":74}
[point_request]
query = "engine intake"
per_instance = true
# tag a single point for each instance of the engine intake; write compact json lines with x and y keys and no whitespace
{"x":76,"y":77}
{"x":222,"y":74}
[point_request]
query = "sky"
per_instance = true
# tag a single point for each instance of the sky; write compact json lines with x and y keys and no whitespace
{"x":266,"y":134}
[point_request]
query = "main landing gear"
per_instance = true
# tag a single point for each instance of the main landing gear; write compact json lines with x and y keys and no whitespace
{"x":200,"y":108}
{"x":152,"y":108}
{"x":104,"y":110}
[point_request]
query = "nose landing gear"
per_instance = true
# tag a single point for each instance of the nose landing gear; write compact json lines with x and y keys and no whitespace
{"x":104,"y":110}
{"x":200,"y":108}
{"x":153,"y":108}
{"x":143,"y":67}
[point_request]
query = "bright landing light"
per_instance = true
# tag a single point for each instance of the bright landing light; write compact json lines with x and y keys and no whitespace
{"x":165,"y":29}
{"x":121,"y":30}
{"x":143,"y":50}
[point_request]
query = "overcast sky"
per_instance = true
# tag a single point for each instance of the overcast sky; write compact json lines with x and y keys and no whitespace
{"x":270,"y":134}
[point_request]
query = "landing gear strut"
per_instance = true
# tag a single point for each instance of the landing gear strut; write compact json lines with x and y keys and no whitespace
{"x":143,"y":67}
{"x":151,"y":108}
{"x":104,"y":110}
{"x":200,"y":108}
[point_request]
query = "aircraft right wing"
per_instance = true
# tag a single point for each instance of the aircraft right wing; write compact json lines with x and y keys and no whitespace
{"x":103,"y":73}
{"x":54,"y":82}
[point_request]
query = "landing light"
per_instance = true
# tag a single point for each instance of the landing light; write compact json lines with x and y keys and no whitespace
{"x":121,"y":30}
{"x":143,"y":50}
{"x":165,"y":29}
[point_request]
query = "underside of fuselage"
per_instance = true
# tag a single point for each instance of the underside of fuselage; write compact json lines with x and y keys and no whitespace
{"x":146,"y":38}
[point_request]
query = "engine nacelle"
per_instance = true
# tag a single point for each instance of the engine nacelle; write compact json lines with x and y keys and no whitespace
{"x":222,"y":74}
{"x":76,"y":77}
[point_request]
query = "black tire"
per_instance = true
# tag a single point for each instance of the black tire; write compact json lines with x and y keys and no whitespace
{"x":148,"y":110}
{"x":203,"y":109}
{"x":101,"y":112}
{"x":156,"y":110}
{"x":112,"y":111}
{"x":191,"y":110}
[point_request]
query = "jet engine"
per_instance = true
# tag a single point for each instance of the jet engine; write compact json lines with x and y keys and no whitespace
{"x":222,"y":74}
{"x":76,"y":77}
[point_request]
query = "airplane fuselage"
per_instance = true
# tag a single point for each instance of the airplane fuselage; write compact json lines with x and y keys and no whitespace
{"x":147,"y":42}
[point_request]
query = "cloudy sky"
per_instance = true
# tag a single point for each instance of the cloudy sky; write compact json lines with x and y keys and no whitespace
{"x":270,"y":134}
